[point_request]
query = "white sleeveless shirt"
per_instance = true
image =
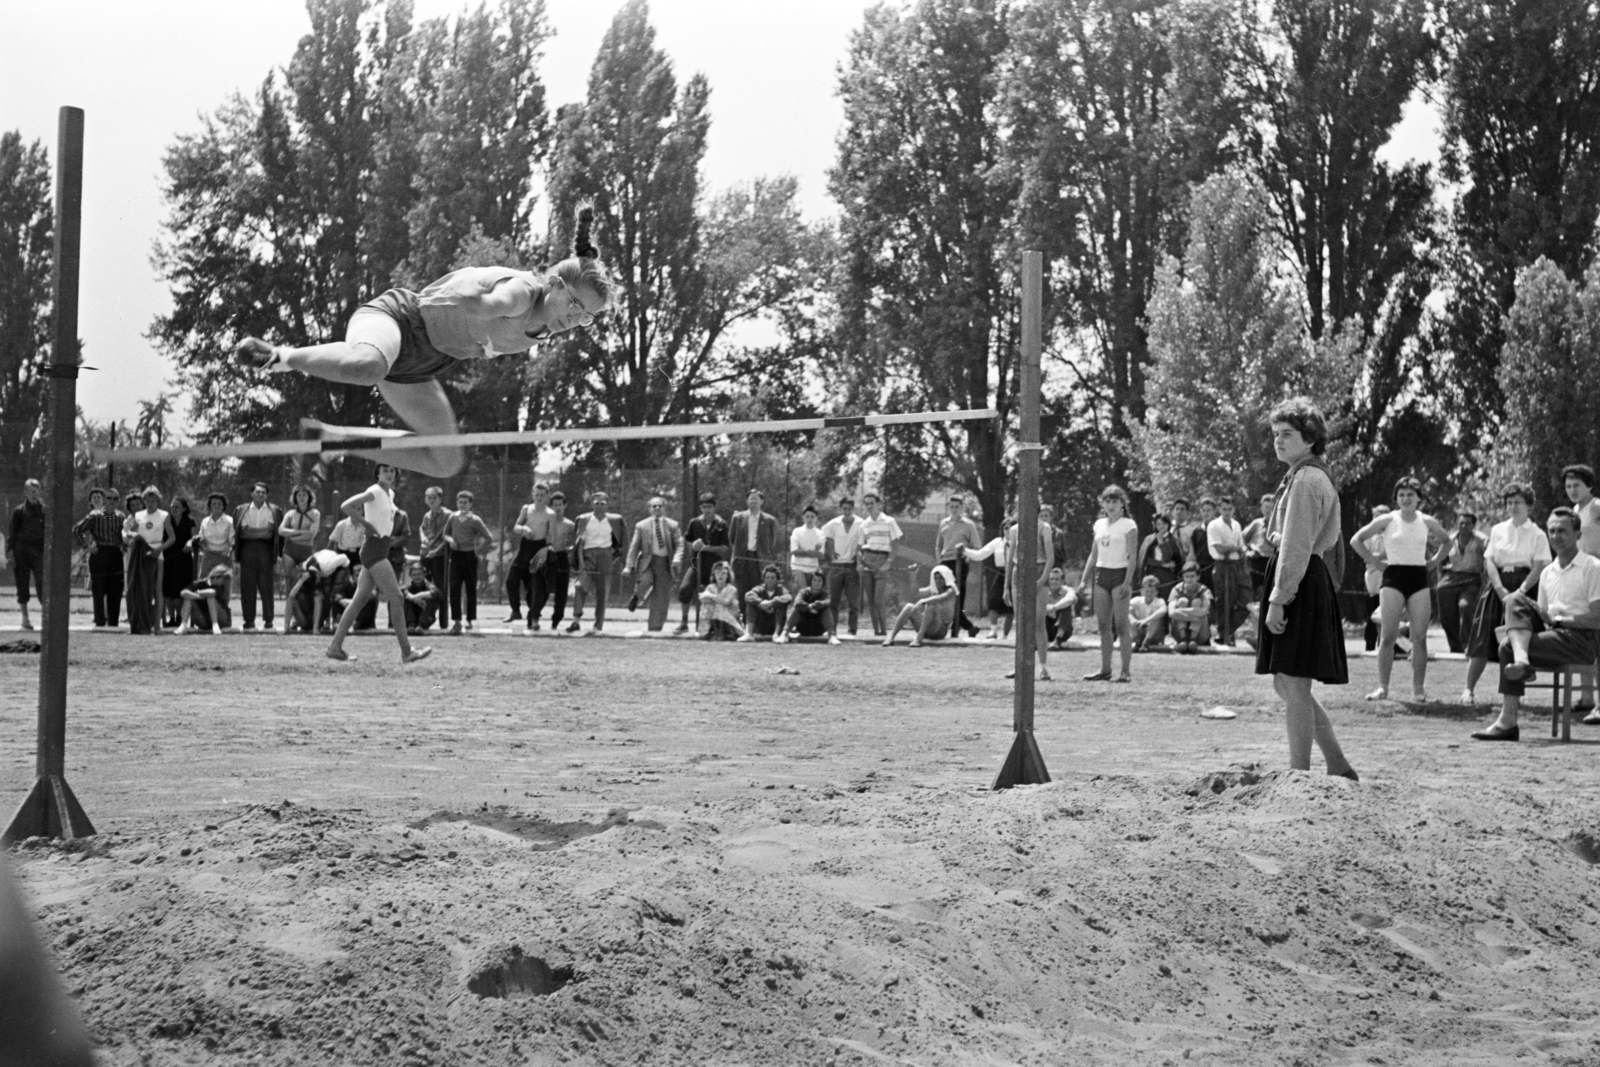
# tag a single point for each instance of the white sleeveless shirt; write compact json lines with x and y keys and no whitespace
{"x":380,"y":510}
{"x":1405,"y":544}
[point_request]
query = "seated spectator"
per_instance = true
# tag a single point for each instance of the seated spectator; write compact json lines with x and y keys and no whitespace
{"x":931,"y":615}
{"x":311,"y":598}
{"x":813,"y":612}
{"x":1060,"y":606}
{"x":348,"y":536}
{"x":766,"y":607}
{"x":205,"y":602}
{"x":422,"y":598}
{"x":344,"y":593}
{"x":1147,"y":616}
{"x":1189,"y":611}
{"x":719,"y":606}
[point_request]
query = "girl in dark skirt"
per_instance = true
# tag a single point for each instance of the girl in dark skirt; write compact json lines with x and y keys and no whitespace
{"x":1302,"y":638}
{"x":177,"y":562}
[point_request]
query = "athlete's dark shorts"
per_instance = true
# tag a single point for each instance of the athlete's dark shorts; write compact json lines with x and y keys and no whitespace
{"x":1405,"y":580}
{"x":1110,"y":578}
{"x":418,"y":361}
{"x":375,"y":550}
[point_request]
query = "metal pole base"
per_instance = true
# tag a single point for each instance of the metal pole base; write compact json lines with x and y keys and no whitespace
{"x":1024,"y":764}
{"x":49,"y":811}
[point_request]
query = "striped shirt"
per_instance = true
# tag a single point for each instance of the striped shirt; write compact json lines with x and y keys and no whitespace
{"x":105,"y":526}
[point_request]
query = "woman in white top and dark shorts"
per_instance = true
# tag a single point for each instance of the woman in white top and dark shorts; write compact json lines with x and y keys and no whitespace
{"x":374,"y":511}
{"x":1517,"y":551}
{"x":1110,"y":567}
{"x":1402,"y":537}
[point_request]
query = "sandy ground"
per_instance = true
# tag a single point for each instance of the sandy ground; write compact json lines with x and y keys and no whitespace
{"x":618,"y":852}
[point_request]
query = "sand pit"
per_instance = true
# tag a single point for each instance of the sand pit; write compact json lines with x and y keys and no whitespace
{"x":639,"y":852}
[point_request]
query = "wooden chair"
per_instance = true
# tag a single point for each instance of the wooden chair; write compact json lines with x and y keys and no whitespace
{"x":1564,"y":681}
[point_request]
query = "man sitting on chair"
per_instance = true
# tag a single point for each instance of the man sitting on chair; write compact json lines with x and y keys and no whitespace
{"x":1556,"y":629}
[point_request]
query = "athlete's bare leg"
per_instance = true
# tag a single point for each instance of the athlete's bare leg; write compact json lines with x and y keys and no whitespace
{"x":379,"y":576}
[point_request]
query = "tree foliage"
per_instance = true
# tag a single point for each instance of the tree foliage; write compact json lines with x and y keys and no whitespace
{"x":1230,"y":341}
{"x":26,"y":255}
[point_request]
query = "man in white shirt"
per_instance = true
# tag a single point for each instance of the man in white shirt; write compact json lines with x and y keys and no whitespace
{"x":656,"y":556}
{"x":1229,"y":579}
{"x":806,"y":545}
{"x":598,"y":539}
{"x":879,"y":534}
{"x":842,"y":536}
{"x":1558,"y":628}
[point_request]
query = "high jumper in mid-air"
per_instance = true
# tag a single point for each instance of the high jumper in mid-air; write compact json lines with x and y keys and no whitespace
{"x":402,"y":341}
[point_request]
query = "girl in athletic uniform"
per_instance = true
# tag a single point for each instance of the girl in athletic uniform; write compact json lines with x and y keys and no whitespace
{"x":1402,"y":540}
{"x":402,"y":341}
{"x":1110,"y":567}
{"x":374,"y":511}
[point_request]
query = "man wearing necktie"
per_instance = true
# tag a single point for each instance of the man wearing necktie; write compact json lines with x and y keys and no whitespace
{"x":655,"y":557}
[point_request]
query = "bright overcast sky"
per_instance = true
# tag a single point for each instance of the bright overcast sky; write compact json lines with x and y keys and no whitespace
{"x":145,"y":70}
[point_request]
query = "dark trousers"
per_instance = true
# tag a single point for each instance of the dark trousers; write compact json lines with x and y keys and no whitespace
{"x":1456,"y":603}
{"x":1547,"y":648}
{"x":28,"y":563}
{"x":763,"y":623}
{"x":1371,"y":632}
{"x":105,"y":584}
{"x":464,"y":575}
{"x":420,"y":616}
{"x":958,"y":567}
{"x":255,"y":578}
{"x":844,"y":593}
{"x":437,"y":568}
{"x":1232,"y":589}
{"x":746,"y":576}
{"x":552,"y":578}
{"x":519,"y":580}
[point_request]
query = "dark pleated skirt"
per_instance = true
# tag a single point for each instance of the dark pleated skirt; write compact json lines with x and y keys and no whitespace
{"x":1312,"y":642}
{"x":143,"y":612}
{"x":1489,"y":613}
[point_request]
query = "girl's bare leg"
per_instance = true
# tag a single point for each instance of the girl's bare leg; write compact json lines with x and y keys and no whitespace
{"x":1119,"y":624}
{"x":424,"y":407}
{"x":364,"y":587}
{"x":1420,"y":609}
{"x":383,"y":576}
{"x":1308,"y":722}
{"x":1390,"y":606}
{"x":1103,"y":607}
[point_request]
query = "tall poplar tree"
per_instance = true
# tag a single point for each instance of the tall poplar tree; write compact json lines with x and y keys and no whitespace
{"x":26,"y":233}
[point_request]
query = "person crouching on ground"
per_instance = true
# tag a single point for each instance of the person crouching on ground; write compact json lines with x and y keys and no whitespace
{"x":1189,"y":611}
{"x":1557,"y":628}
{"x":1147,"y":615}
{"x":813,"y":615}
{"x":766,"y":606}
{"x":422,"y":598}
{"x":1060,"y":608}
{"x":931,"y":616}
{"x":719,"y":605}
{"x":205,"y":602}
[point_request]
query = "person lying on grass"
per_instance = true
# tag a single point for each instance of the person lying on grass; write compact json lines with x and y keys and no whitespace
{"x":929,"y":617}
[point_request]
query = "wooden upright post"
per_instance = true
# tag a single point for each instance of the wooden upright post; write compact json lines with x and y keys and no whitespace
{"x":1024,"y":765}
{"x":50,"y":809}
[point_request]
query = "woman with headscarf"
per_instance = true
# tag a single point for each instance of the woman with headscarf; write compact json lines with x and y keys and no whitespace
{"x":931,"y":616}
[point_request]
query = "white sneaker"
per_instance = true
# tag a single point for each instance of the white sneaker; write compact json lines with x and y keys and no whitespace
{"x":1467,"y":697}
{"x":1379,"y":693}
{"x":216,"y":630}
{"x":832,"y":640}
{"x":746,"y":637}
{"x":184,"y":629}
{"x":781,"y":639}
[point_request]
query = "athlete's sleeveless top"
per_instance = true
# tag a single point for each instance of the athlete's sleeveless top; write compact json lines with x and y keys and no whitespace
{"x":464,"y":335}
{"x":1405,"y":544}
{"x":380,"y":510}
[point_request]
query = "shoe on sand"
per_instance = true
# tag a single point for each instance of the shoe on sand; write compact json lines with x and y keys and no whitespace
{"x":417,"y":653}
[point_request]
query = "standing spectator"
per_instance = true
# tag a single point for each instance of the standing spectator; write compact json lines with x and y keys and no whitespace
{"x":707,"y":542}
{"x":532,"y":530}
{"x":812,"y":615}
{"x":1372,"y":581}
{"x":101,"y":531}
{"x":256,"y":527}
{"x":598,"y":539}
{"x":25,"y":547}
{"x":1045,"y":535}
{"x":754,"y":535}
{"x":957,"y":535}
{"x":1185,"y":531}
{"x":435,"y":553}
{"x":1256,"y":549}
{"x":1110,"y":568}
{"x":1302,"y":638}
{"x":930,"y":615}
{"x":1189,"y":611}
{"x":348,"y":536}
{"x":766,"y":606}
{"x":993,"y":557}
{"x":153,"y":535}
{"x":1578,"y":479}
{"x":468,"y":539}
{"x":132,"y":504}
{"x":1202,"y":543}
{"x":656,"y":557}
{"x":1460,"y":565}
{"x":1147,"y":616}
{"x":719,"y":605}
{"x":297,"y":533}
{"x":1403,"y":554}
{"x":879,"y":534}
{"x":421,"y":599}
{"x":806,"y":545}
{"x":1061,"y":604}
{"x":1160,"y":556}
{"x":215,"y":538}
{"x":205,"y":602}
{"x":177,"y":563}
{"x":1557,"y":628}
{"x":553,"y":573}
{"x":1229,"y":578}
{"x":1518,"y":550}
{"x":842,"y":535}
{"x":399,"y":539}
